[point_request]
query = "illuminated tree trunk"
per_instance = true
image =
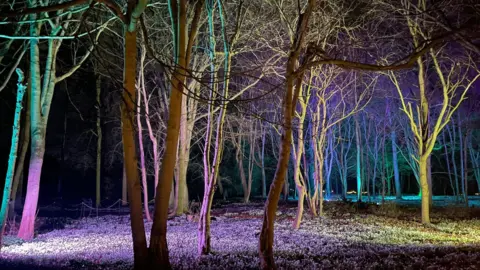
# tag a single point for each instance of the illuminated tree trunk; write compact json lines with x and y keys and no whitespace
{"x":329,"y":164}
{"x":423,"y":171}
{"x":320,"y":184}
{"x":299,"y":153}
{"x":151,"y":135}
{"x":203,"y":235}
{"x":158,"y":239}
{"x":374,"y":153}
{"x":143,"y":168}
{"x":37,"y":150}
{"x":25,"y":141}
{"x":264,"y":178}
{"x":209,"y":170}
{"x":342,"y":157}
{"x":266,"y":235}
{"x":129,"y":149}
{"x":267,"y":231}
{"x":181,"y":198}
{"x":358,"y":161}
{"x":465,"y":167}
{"x":40,"y":103}
{"x":13,"y":155}
{"x":301,"y":192}
{"x":251,"y":161}
{"x":383,"y":168}
{"x":396,"y":172}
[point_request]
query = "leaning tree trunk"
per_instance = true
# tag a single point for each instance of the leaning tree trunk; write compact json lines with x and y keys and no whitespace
{"x":12,"y":156}
{"x":158,"y":239}
{"x":266,"y":235}
{"x":301,"y":193}
{"x":265,"y":244}
{"x":18,"y":178}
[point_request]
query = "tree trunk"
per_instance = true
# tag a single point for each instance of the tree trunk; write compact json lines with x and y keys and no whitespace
{"x":211,"y":170}
{"x":37,"y":131}
{"x":143,"y":168}
{"x":204,"y":236}
{"x":396,"y":172}
{"x":99,"y":140}
{"x":264,"y":178}
{"x":251,"y":161}
{"x":266,"y":235}
{"x":129,"y":150}
{"x":423,"y":172}
{"x":181,"y":204}
{"x":18,"y":178}
{"x":358,"y":162}
{"x":12,"y":156}
{"x":241,"y":170}
{"x":301,"y":197}
{"x":26,"y":229}
{"x":158,"y":238}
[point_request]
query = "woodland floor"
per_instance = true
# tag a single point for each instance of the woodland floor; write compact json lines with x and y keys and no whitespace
{"x":368,"y":236}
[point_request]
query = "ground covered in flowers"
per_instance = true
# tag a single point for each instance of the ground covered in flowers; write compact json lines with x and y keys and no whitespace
{"x":350,"y":236}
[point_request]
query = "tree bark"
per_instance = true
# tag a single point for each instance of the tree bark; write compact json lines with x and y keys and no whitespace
{"x":129,"y":150}
{"x":266,"y":235}
{"x":423,"y":171}
{"x":12,"y":156}
{"x":37,"y":130}
{"x":181,"y":203}
{"x":18,"y":178}
{"x":158,"y":237}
